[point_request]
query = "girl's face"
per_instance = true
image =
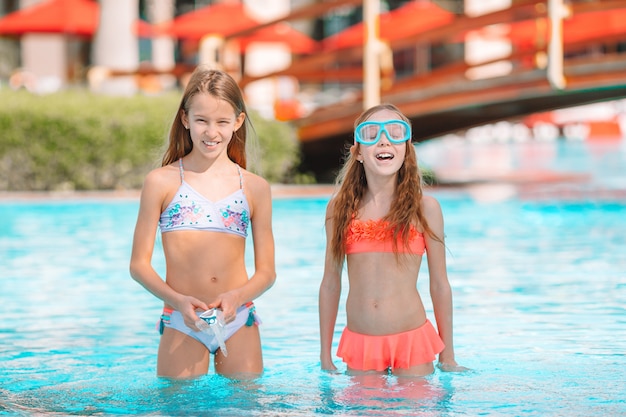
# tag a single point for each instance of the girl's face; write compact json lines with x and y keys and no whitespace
{"x":211,"y":123}
{"x":383,"y":157}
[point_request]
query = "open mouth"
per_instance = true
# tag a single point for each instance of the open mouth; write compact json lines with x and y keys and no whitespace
{"x":384,"y":156}
{"x":207,"y":143}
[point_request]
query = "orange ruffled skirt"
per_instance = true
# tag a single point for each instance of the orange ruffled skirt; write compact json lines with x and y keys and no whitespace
{"x":401,"y":350}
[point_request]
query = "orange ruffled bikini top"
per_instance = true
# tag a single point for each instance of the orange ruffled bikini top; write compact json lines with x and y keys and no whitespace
{"x":375,"y":236}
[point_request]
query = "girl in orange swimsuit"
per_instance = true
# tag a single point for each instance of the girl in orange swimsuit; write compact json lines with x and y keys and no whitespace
{"x":380,"y":224}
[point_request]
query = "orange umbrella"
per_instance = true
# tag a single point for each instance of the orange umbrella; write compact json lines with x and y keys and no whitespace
{"x":75,"y":17}
{"x":580,"y":27}
{"x":297,"y":41}
{"x":218,"y":19}
{"x":224,"y":19}
{"x":408,"y":20}
{"x":143,"y":29}
{"x":594,"y":25}
{"x":72,"y":17}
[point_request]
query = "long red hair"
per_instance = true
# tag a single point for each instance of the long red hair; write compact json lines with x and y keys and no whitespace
{"x":221,"y":86}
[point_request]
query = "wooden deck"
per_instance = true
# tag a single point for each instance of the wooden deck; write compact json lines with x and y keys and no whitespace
{"x":453,"y":105}
{"x":445,"y":100}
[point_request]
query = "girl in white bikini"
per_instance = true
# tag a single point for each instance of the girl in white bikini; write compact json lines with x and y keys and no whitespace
{"x":203,"y":201}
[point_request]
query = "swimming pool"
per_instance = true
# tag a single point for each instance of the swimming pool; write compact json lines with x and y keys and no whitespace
{"x":540,"y":316}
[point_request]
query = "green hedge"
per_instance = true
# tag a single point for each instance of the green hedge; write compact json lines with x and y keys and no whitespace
{"x":75,"y":140}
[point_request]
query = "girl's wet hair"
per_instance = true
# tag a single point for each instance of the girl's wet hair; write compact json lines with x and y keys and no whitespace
{"x":352,"y":185}
{"x":221,"y":86}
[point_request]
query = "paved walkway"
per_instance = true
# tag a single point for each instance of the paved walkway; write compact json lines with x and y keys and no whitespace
{"x":278,"y":191}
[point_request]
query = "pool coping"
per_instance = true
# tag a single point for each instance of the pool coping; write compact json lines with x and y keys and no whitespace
{"x":278,"y":191}
{"x":457,"y":180}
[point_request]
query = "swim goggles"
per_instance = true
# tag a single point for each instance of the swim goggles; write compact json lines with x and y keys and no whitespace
{"x":209,"y":316}
{"x":211,"y":322}
{"x":368,"y":133}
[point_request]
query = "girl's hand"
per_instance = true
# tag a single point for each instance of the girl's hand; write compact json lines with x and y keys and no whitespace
{"x":447,"y":363}
{"x":329,"y":366}
{"x":228,"y":302}
{"x":451,"y":367}
{"x":188,"y":305}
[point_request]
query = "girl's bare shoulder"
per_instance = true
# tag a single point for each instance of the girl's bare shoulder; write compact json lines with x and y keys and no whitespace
{"x":254,"y":180}
{"x":430,"y":205}
{"x":255,"y":185}
{"x":164,"y":177}
{"x":332,"y":203}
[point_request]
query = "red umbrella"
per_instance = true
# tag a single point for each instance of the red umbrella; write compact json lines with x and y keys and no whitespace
{"x":578,"y":28}
{"x":219,"y":19}
{"x":408,"y":20}
{"x":297,"y":41}
{"x":143,"y":29}
{"x":75,"y":17}
{"x":594,"y":25}
{"x":224,"y":19}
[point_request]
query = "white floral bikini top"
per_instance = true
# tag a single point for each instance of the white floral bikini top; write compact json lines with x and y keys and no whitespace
{"x":190,"y":210}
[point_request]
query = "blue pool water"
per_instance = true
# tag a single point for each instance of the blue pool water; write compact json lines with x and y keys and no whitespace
{"x":539,"y":296}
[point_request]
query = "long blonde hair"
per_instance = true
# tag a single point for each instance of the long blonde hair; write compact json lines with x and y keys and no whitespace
{"x":221,"y":86}
{"x":352,"y":184}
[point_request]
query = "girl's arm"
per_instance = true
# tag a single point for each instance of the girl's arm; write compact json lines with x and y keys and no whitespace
{"x":152,"y":197}
{"x":330,"y":292}
{"x":260,"y":198}
{"x":440,"y":290}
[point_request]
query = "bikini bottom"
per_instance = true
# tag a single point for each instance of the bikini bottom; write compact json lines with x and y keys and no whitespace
{"x":400,"y":350}
{"x":246,"y":316}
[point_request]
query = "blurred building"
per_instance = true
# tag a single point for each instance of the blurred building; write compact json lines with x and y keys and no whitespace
{"x":127,"y":51}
